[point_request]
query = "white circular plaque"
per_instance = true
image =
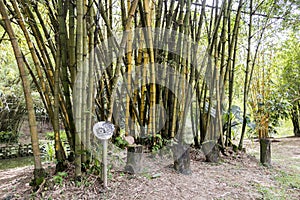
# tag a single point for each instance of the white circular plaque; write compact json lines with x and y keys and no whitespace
{"x":103,"y":130}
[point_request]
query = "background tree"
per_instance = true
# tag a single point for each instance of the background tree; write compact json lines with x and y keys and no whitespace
{"x":288,"y":60}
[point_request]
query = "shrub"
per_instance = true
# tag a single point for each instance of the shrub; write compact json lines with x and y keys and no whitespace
{"x":9,"y":137}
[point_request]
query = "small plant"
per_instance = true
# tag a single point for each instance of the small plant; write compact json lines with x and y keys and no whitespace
{"x":49,"y":151}
{"x":58,"y":179}
{"x":78,"y":183}
{"x":147,"y":175}
{"x":109,"y":173}
{"x":158,"y":142}
{"x":120,"y":142}
{"x":96,"y":167}
{"x":83,"y":182}
{"x":33,"y":195}
{"x":122,"y":174}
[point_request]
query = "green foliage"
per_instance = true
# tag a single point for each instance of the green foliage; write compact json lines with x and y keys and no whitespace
{"x":147,"y":175}
{"x":9,"y":74}
{"x":158,"y":142}
{"x":83,"y":182}
{"x":278,"y":108}
{"x":96,"y":167}
{"x":50,"y":136}
{"x":109,"y":172}
{"x":59,"y":178}
{"x":120,"y":142}
{"x":122,"y":174}
{"x":78,"y":183}
{"x":274,"y":106}
{"x":39,"y":180}
{"x":288,"y":59}
{"x":9,"y":137}
{"x":12,"y":103}
{"x":12,"y":111}
{"x":235,"y":115}
{"x":50,"y":151}
{"x":36,"y":182}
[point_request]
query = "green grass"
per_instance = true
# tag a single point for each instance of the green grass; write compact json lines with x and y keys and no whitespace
{"x":286,"y":183}
{"x":16,"y":162}
{"x":271,"y":193}
{"x":287,"y":180}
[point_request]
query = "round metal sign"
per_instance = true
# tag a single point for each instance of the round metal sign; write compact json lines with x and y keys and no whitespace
{"x":103,"y":130}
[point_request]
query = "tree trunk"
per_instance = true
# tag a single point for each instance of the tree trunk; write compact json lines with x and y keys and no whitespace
{"x":60,"y":63}
{"x":246,"y":82}
{"x":211,"y":151}
{"x":134,"y":159}
{"x":182,"y":159}
{"x":265,"y":151}
{"x":295,"y":120}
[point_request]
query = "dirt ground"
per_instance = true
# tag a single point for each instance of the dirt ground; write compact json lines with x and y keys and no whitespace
{"x":237,"y":176}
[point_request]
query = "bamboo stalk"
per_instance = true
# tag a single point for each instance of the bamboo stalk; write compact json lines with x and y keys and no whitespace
{"x":152,"y":114}
{"x":38,"y":168}
{"x":77,"y":94}
{"x":91,"y":79}
{"x":129,"y":74}
{"x":84,"y":74}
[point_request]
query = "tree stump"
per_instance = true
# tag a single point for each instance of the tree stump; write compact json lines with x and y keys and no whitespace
{"x":211,"y":151}
{"x":181,"y":155}
{"x":134,"y":159}
{"x":265,"y":151}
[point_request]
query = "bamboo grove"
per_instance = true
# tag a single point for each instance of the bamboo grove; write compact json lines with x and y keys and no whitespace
{"x":146,"y":66}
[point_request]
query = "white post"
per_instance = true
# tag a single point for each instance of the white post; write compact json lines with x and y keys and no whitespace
{"x":104,"y":161}
{"x":103,"y":131}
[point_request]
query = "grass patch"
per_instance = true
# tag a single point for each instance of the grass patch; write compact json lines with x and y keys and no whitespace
{"x":16,"y":162}
{"x":289,"y":181}
{"x":271,"y":193}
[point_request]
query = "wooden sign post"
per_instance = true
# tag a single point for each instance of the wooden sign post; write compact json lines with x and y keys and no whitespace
{"x":104,"y":130}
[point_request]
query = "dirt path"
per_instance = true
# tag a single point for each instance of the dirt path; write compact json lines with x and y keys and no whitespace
{"x":15,"y":182}
{"x":238,"y":176}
